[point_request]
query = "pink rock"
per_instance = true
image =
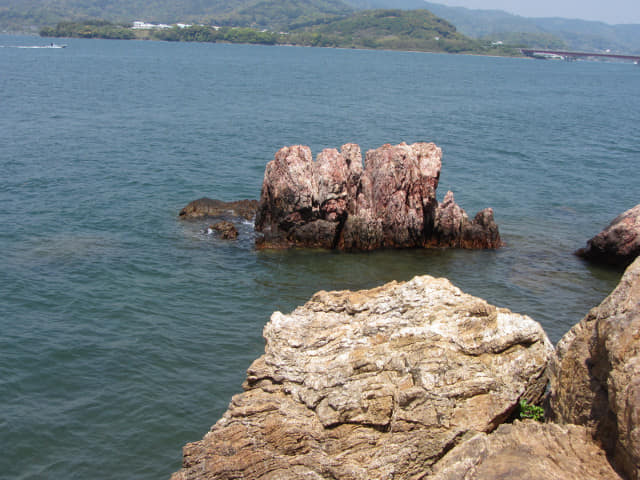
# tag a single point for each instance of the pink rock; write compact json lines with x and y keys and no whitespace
{"x":391,"y":203}
{"x":619,"y":243}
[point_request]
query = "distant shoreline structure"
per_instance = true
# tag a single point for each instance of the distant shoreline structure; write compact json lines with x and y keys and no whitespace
{"x":572,"y":56}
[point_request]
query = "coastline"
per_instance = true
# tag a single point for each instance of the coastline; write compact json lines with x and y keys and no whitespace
{"x":428,"y":41}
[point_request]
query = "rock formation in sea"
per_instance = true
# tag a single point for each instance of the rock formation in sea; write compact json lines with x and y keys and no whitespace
{"x":207,"y":207}
{"x":378,"y":383}
{"x":527,"y":451}
{"x":391,"y":203}
{"x":595,"y":379}
{"x":619,"y":243}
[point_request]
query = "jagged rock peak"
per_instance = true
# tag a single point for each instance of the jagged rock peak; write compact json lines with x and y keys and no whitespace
{"x":390,"y":203}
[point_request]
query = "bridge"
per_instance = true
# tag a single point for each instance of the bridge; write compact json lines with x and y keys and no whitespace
{"x":565,"y":55}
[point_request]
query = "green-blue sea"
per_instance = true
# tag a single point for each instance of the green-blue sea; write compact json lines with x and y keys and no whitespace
{"x":124,"y":331}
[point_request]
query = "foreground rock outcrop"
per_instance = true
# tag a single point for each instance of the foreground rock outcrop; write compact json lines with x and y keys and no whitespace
{"x":375,"y":384}
{"x":619,"y":243}
{"x":207,"y":207}
{"x":595,"y":377}
{"x":527,"y":451}
{"x":391,"y":203}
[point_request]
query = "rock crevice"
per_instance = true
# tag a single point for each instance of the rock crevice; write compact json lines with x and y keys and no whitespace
{"x":595,"y":374}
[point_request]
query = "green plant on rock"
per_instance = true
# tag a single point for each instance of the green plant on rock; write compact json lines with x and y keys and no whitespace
{"x":532,"y":412}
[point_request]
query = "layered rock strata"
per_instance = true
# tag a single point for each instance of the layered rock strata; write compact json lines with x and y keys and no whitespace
{"x":619,"y":243}
{"x":373,"y":384}
{"x":595,"y":378}
{"x":527,"y":451}
{"x":208,"y":207}
{"x":391,"y":203}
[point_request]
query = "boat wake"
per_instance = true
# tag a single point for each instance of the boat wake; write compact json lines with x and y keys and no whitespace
{"x":53,"y":45}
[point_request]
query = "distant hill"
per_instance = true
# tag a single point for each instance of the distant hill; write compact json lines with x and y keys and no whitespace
{"x":387,"y":4}
{"x":536,"y":32}
{"x":415,"y":30}
{"x":33,"y":14}
{"x":397,"y":30}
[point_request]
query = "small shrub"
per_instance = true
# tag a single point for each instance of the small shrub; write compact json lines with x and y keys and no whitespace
{"x":532,"y":412}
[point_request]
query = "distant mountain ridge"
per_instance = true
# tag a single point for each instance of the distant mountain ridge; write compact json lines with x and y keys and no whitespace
{"x":33,"y":14}
{"x":576,"y":34}
{"x":497,"y":25}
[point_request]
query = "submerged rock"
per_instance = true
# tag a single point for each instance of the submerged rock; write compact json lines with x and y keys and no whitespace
{"x":377,"y":383}
{"x":527,"y":451}
{"x":227,"y":230}
{"x":595,"y":377}
{"x":391,"y":203}
{"x":207,"y":207}
{"x":619,"y":243}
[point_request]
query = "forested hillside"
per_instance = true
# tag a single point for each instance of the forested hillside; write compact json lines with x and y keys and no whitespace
{"x":396,"y":29}
{"x":417,"y":30}
{"x":34,"y":14}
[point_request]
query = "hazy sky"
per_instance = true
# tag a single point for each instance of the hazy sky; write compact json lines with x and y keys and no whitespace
{"x":609,"y":11}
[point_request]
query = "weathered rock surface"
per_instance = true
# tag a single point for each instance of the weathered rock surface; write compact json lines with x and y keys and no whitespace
{"x":374,"y":384}
{"x":334,"y":203}
{"x":595,"y":377}
{"x":207,"y":207}
{"x":452,"y":227}
{"x":527,"y":451}
{"x":227,"y":230}
{"x":619,"y":243}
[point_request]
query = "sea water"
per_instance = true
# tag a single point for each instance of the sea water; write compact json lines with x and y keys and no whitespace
{"x":125,"y":331}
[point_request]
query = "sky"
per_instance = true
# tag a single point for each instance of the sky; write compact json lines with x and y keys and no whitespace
{"x":608,"y":11}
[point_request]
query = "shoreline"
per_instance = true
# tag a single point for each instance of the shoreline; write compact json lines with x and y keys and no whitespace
{"x":224,"y":42}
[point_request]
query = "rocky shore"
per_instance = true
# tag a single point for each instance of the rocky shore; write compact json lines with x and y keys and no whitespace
{"x":420,"y":380}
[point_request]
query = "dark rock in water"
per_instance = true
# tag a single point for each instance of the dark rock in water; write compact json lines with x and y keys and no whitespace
{"x":227,"y":230}
{"x":595,"y":374}
{"x":619,"y":243}
{"x":391,"y":203}
{"x":207,"y":207}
